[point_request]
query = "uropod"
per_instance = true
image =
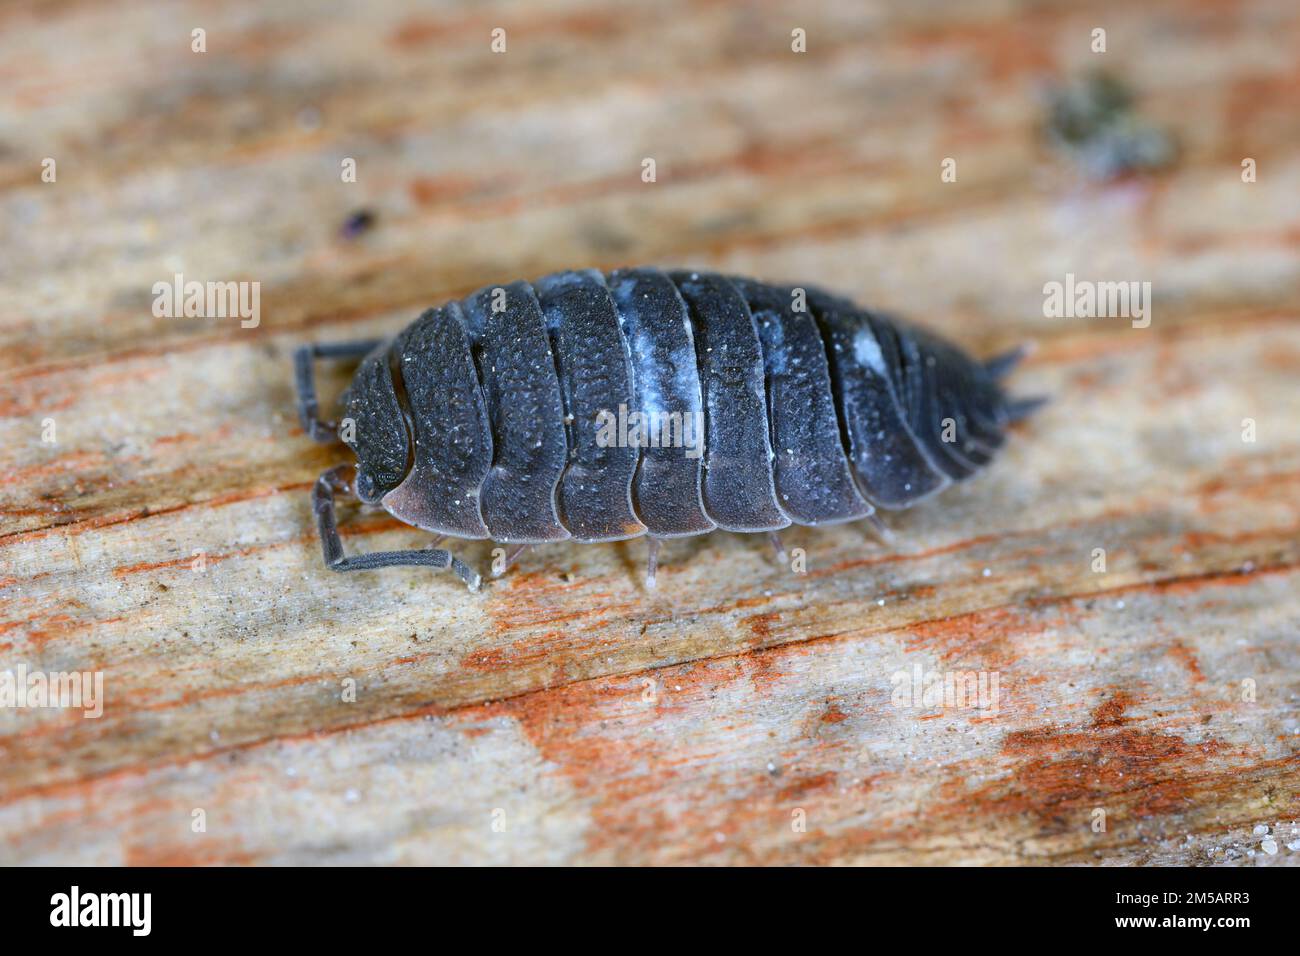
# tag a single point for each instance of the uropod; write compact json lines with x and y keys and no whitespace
{"x":603,"y":406}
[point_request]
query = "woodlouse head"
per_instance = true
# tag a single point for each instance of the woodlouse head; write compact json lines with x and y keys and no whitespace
{"x":375,"y":428}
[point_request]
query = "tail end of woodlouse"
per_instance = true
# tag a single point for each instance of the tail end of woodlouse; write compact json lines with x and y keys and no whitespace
{"x":1018,"y":409}
{"x":1000,"y":366}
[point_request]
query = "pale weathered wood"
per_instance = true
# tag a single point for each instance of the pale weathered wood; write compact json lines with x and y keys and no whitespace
{"x":607,"y":724}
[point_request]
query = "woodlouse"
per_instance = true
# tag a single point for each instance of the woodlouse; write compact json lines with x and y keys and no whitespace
{"x":491,"y":417}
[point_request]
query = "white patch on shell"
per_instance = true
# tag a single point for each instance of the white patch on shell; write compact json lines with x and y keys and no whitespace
{"x":867,"y":351}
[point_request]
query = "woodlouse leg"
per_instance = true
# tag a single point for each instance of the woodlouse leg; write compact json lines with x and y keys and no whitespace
{"x":777,"y":547}
{"x":324,"y":432}
{"x":512,"y":552}
{"x":651,"y":561}
{"x":881,"y":528}
{"x":333,"y":481}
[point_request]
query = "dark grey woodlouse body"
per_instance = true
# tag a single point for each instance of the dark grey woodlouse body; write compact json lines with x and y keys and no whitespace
{"x":482,"y":419}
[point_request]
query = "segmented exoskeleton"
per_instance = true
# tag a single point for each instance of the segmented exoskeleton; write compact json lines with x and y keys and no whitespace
{"x":507,"y":415}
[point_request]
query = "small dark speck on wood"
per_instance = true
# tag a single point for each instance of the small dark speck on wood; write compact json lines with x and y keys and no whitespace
{"x":363,"y":220}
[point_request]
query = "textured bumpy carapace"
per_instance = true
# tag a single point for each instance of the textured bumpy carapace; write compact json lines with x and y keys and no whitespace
{"x":600,"y":407}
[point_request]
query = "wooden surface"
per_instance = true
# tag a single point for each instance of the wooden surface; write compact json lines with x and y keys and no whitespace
{"x":598,"y":722}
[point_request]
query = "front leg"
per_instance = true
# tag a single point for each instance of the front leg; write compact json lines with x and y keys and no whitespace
{"x":333,"y":481}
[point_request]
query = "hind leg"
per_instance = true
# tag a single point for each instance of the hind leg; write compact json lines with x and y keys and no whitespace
{"x":881,"y":529}
{"x":511,"y":553}
{"x":778,"y":547}
{"x":322,"y":497}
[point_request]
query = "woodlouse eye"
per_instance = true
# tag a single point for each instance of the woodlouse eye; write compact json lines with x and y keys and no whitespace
{"x":366,"y":489}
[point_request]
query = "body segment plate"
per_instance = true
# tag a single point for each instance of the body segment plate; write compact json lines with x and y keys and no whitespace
{"x":435,"y":372}
{"x":891,"y":467}
{"x":739,"y":494}
{"x":667,"y":397}
{"x":522,"y":395}
{"x":592,"y":361}
{"x":811,"y":473}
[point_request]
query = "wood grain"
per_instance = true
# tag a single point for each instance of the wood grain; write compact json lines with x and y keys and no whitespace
{"x":701,"y":722}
